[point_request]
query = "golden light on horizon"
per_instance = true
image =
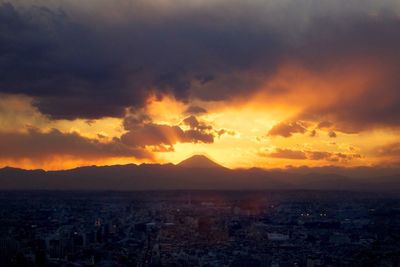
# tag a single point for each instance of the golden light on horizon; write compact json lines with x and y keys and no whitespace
{"x":246,"y":123}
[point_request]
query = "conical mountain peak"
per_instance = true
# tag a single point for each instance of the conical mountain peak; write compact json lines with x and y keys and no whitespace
{"x":199,"y":161}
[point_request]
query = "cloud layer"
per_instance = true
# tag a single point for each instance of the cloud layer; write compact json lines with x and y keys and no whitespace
{"x":312,"y":155}
{"x":39,"y":146}
{"x":78,"y":64}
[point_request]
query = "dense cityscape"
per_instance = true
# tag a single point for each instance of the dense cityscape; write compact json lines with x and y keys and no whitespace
{"x":199,"y":228}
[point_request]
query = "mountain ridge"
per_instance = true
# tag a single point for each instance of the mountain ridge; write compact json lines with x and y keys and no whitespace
{"x":195,"y":173}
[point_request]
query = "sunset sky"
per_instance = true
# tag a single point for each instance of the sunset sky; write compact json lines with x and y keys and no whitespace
{"x":256,"y":83}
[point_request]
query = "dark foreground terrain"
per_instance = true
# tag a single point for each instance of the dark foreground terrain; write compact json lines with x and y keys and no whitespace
{"x":199,"y":228}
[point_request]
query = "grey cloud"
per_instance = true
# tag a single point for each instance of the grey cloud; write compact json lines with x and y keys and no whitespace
{"x":287,"y":129}
{"x":311,"y":155}
{"x":164,"y":135}
{"x":37,"y":145}
{"x":142,"y":132}
{"x":288,"y":154}
{"x":332,"y":134}
{"x":195,"y":110}
{"x":86,"y":59}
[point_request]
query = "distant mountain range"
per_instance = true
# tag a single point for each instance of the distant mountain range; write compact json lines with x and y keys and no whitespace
{"x":200,"y":173}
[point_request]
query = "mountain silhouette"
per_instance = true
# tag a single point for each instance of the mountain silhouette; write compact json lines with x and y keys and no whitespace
{"x":200,"y":173}
{"x":199,"y":161}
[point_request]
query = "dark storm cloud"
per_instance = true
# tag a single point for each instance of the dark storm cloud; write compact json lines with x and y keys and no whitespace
{"x":38,"y":145}
{"x":77,"y":64}
{"x":77,"y":69}
{"x":45,"y":55}
{"x":331,"y":41}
